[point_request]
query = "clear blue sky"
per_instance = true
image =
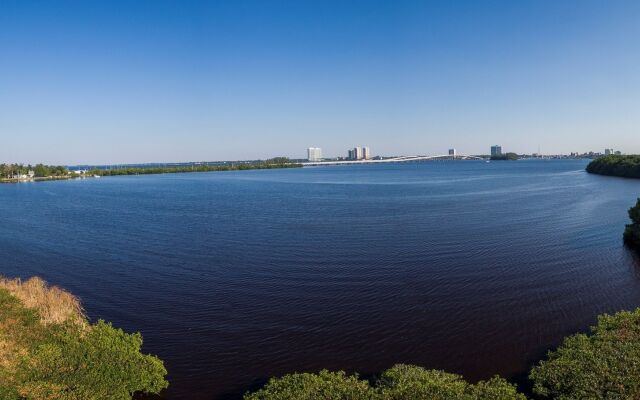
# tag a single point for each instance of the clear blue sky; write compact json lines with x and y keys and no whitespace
{"x":144,"y":81}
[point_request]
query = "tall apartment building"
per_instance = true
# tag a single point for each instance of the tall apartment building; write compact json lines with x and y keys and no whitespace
{"x":359,"y":153}
{"x":496,"y":150}
{"x":314,"y":154}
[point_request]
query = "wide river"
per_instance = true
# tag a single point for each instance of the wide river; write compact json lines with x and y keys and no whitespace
{"x":473,"y":267}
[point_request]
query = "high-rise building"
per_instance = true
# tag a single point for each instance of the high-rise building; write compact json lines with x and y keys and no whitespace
{"x":314,"y":154}
{"x":608,"y":152}
{"x":359,"y":153}
{"x":452,"y":152}
{"x":496,"y":150}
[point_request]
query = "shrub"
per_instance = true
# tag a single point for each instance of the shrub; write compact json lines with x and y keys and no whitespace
{"x":50,"y":351}
{"x":410,"y":382}
{"x":324,"y":385}
{"x":402,"y":382}
{"x":602,"y":365}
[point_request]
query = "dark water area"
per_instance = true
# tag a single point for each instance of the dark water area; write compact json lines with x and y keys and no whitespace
{"x":472,"y":267}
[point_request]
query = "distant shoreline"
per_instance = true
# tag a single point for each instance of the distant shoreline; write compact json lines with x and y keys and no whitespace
{"x":276,"y":163}
{"x":269,"y":164}
{"x":38,"y":179}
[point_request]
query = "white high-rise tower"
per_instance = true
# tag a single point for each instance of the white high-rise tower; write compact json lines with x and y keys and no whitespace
{"x":314,"y":154}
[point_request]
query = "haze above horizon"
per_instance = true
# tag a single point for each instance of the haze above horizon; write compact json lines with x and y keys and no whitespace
{"x":162,"y":81}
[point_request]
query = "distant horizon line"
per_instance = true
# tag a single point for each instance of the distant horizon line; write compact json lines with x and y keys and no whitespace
{"x":594,"y":153}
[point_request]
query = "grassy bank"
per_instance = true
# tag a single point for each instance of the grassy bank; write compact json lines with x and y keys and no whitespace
{"x":614,"y":165}
{"x":49,"y":350}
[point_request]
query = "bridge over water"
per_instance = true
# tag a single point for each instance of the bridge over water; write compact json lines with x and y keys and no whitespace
{"x":394,"y":160}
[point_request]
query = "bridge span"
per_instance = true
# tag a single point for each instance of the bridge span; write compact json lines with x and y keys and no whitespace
{"x":393,"y":160}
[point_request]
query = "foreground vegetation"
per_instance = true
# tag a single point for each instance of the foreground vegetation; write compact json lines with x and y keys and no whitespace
{"x":50,"y":351}
{"x":279,"y":162}
{"x":616,"y":165}
{"x":604,"y":364}
{"x":398,"y":383}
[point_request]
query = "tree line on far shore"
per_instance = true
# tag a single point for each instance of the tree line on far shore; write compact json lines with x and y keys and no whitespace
{"x":12,"y":171}
{"x":278,"y":162}
{"x":505,"y":157}
{"x":8,"y":171}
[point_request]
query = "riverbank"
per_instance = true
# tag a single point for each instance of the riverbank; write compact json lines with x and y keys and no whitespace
{"x":616,"y":165}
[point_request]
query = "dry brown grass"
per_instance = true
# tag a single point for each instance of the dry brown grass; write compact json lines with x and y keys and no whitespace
{"x":54,"y":305}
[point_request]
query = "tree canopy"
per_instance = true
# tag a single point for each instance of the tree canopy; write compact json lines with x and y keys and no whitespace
{"x":40,"y":170}
{"x":602,"y":365}
{"x":278,"y":162}
{"x":505,"y":157}
{"x":632,"y":231}
{"x":402,"y":382}
{"x":616,"y":165}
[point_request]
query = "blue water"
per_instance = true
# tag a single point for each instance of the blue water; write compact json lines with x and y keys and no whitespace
{"x":477,"y":268}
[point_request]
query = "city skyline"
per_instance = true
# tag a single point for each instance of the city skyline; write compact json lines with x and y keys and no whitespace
{"x":364,"y":152}
{"x":122,"y":82}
